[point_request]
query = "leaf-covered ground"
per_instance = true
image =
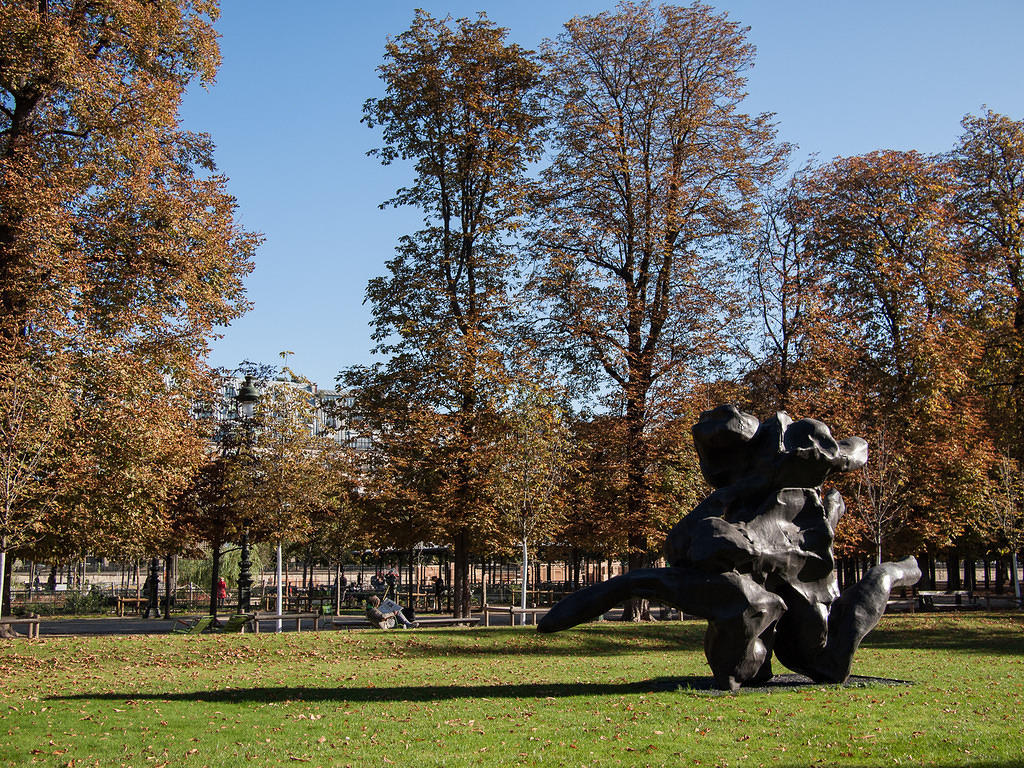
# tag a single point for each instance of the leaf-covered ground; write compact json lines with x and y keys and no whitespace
{"x":602,"y":695}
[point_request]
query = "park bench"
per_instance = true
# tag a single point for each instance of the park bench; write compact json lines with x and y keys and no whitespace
{"x":135,"y":602}
{"x":512,"y":611}
{"x":297,"y":617}
{"x":361,"y":622}
{"x":31,"y":623}
{"x":928,"y":600}
{"x":448,"y":621}
{"x":351,"y":622}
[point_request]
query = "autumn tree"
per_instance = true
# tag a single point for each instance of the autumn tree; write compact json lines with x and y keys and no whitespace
{"x":882,"y":504}
{"x":1004,"y":514}
{"x":28,"y":446}
{"x":292,"y":471}
{"x":118,"y":255}
{"x":536,"y":458}
{"x":902,"y":344}
{"x":460,"y":106}
{"x":783,"y":278}
{"x":654,"y":167}
{"x":989,"y":166}
{"x":204,"y":512}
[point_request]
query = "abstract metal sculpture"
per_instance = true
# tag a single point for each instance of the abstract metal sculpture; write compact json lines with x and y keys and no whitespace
{"x":755,"y":557}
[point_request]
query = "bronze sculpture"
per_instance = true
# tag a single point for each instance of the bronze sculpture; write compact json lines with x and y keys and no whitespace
{"x":755,"y":557}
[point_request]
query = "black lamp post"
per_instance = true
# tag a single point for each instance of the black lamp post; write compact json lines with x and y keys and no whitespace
{"x":153,"y":593}
{"x":246,"y":398}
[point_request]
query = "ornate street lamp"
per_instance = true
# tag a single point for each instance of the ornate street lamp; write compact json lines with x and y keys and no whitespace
{"x":246,"y":399}
{"x":153,"y":606}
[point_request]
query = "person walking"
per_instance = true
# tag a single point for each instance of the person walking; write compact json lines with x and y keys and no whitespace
{"x":439,"y":587}
{"x":222,"y":592}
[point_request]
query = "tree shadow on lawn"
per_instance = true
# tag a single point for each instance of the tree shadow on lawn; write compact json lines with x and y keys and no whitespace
{"x":605,"y":639}
{"x":402,"y":693}
{"x":969,"y":632}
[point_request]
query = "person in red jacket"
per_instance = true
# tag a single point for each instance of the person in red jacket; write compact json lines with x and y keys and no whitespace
{"x":222,"y":591}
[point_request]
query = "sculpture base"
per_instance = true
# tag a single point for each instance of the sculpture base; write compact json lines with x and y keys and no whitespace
{"x":783,"y":682}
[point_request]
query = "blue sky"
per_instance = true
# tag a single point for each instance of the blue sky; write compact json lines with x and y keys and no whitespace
{"x":843,"y":77}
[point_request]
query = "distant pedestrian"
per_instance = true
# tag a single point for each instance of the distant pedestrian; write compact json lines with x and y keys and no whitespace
{"x":439,"y":588}
{"x":151,"y":590}
{"x":222,"y":592}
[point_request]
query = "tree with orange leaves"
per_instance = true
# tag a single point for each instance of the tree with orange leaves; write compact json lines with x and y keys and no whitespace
{"x":119,"y":254}
{"x":654,"y":167}
{"x":461,"y":104}
{"x":900,"y":347}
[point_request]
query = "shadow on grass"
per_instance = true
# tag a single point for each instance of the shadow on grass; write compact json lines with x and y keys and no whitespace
{"x":393,"y":693}
{"x":605,"y":639}
{"x":972,"y":632}
{"x":968,"y":632}
{"x":683,"y":684}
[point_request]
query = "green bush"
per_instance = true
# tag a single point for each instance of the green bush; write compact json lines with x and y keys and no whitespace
{"x":199,"y":571}
{"x":93,"y":601}
{"x":40,"y":609}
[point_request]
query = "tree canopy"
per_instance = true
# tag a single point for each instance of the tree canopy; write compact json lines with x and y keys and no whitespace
{"x":119,"y":255}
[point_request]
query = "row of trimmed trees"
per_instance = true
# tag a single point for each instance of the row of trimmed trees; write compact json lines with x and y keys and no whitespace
{"x":610,"y":245}
{"x":119,"y":255}
{"x":603,"y":224}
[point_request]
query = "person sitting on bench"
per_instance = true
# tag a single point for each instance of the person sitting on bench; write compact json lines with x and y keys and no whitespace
{"x":385,"y":615}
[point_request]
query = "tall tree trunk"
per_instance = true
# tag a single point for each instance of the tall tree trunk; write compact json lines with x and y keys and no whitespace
{"x":462,"y":606}
{"x":8,"y":572}
{"x":1015,"y":577}
{"x":4,"y":608}
{"x":526,"y":571}
{"x":922,"y":565}
{"x":636,"y":609}
{"x":339,"y":573}
{"x":214,"y":578}
{"x":952,"y":571}
{"x":5,"y":631}
{"x":170,"y":583}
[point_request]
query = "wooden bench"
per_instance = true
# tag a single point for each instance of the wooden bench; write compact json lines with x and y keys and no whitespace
{"x":296,"y":617}
{"x":360,"y":622}
{"x":31,"y":623}
{"x":136,"y":602}
{"x":448,"y":621}
{"x":351,"y":622}
{"x":512,"y":611}
{"x":937,"y":601}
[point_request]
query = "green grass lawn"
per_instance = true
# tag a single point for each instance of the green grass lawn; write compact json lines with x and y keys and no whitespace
{"x":595,"y":696}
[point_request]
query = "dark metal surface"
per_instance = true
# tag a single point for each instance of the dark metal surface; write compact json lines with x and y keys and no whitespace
{"x":755,"y":557}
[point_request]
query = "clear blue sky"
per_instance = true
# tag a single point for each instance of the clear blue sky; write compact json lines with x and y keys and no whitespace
{"x":843,"y":77}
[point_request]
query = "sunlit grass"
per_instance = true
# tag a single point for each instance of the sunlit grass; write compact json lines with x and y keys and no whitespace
{"x":594,"y":696}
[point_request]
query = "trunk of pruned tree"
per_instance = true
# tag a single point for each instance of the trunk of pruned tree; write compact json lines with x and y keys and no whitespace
{"x":214,"y":578}
{"x":462,"y":602}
